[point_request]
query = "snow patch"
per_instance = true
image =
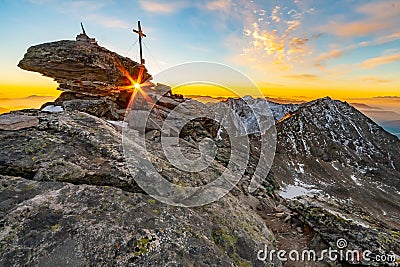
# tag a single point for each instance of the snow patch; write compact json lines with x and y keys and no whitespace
{"x":121,"y":124}
{"x":299,"y":189}
{"x":300,"y":169}
{"x":355,"y":179}
{"x":334,"y":165}
{"x":53,"y":109}
{"x":292,"y":191}
{"x":219,"y":137}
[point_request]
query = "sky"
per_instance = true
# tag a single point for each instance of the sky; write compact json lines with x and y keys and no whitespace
{"x":294,"y":50}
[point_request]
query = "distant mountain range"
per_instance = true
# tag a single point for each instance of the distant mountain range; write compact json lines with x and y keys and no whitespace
{"x":377,"y":114}
{"x":32,"y":101}
{"x":392,"y":127}
{"x":389,"y":120}
{"x":3,"y":110}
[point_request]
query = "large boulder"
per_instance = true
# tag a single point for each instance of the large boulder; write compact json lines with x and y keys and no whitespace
{"x":86,"y":71}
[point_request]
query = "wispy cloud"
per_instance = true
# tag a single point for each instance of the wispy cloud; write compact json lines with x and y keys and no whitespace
{"x":89,"y":10}
{"x":381,"y":60}
{"x":373,"y":79}
{"x":381,"y":9}
{"x":352,"y":29}
{"x":80,"y":7}
{"x":108,"y":22}
{"x":322,"y":59}
{"x":162,"y":7}
{"x":221,"y":5}
{"x":387,"y":38}
{"x":303,"y":77}
{"x":378,"y":16}
{"x":276,"y":15}
{"x":335,"y":53}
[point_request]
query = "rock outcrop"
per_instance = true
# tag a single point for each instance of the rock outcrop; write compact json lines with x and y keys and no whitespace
{"x":92,"y":78}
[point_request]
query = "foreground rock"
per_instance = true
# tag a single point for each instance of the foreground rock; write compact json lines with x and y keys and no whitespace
{"x":69,"y":195}
{"x":66,"y":182}
{"x":68,"y":199}
{"x":62,"y":224}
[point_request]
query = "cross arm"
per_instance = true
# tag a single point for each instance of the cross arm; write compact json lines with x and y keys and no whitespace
{"x":140,"y":33}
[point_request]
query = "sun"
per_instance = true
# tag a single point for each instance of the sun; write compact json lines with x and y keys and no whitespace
{"x":136,"y":86}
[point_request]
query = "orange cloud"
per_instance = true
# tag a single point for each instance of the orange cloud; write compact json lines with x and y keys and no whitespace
{"x":376,"y":61}
{"x":273,"y":37}
{"x":388,"y":38}
{"x":280,"y":48}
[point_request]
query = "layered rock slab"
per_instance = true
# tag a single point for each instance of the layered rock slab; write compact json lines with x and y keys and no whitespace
{"x":92,"y":78}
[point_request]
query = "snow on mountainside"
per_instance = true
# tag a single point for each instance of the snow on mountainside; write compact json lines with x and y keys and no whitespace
{"x":258,"y":106}
{"x":253,"y":111}
{"x":278,"y":110}
{"x":331,"y":147}
{"x":335,"y":167}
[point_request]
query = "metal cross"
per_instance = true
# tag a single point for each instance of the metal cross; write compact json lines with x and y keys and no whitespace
{"x":141,"y":35}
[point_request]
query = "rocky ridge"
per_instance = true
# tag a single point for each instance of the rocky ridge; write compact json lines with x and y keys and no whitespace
{"x":68,"y":198}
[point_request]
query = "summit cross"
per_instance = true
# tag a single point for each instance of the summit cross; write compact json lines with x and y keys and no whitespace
{"x":141,"y":35}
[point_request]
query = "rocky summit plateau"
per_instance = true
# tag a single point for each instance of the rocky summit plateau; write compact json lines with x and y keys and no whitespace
{"x":69,"y":198}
